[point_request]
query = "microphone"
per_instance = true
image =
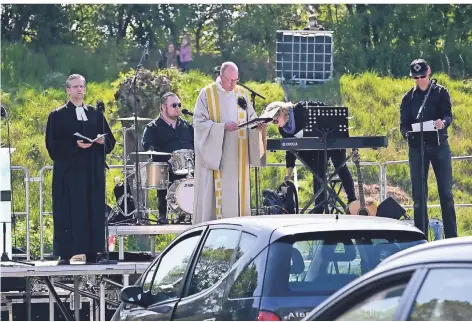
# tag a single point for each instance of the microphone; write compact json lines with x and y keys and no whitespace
{"x":100,"y":106}
{"x":3,"y":112}
{"x":146,"y":50}
{"x":186,"y":112}
{"x":242,"y":102}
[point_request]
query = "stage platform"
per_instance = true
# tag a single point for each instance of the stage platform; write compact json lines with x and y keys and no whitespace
{"x":50,"y":268}
{"x":151,"y":230}
{"x":46,"y":270}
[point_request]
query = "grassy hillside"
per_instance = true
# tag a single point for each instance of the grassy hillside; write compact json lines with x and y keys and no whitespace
{"x":373,"y":102}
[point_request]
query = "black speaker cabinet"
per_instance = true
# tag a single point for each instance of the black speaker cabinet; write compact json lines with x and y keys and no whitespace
{"x":391,"y":209}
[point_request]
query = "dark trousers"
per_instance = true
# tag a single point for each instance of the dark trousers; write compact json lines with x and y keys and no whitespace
{"x":315,"y":159}
{"x":440,"y":159}
{"x":162,"y":194}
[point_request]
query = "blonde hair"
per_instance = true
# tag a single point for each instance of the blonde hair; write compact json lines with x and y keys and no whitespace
{"x":283,"y":107}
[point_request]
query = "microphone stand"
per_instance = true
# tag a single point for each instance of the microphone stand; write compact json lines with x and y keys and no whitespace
{"x":424,"y":212}
{"x":256,"y":170}
{"x":106,"y":261}
{"x":136,"y":145}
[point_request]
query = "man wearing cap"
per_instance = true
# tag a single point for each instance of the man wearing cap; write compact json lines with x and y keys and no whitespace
{"x":437,"y":108}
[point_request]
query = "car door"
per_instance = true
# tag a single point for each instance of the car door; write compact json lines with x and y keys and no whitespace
{"x":445,"y":295}
{"x":204,"y":290}
{"x":163,"y":282}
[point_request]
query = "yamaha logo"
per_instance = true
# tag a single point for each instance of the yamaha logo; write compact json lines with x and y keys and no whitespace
{"x":289,"y":144}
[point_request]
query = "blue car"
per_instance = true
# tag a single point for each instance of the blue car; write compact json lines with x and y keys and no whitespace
{"x":265,"y":268}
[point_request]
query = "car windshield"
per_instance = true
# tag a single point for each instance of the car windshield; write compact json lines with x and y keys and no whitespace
{"x":321,"y":263}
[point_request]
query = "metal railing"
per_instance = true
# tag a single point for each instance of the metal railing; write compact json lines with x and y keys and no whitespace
{"x":383,"y":182}
{"x":25,"y":213}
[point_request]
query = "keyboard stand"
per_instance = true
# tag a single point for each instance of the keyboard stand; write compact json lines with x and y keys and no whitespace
{"x":325,"y":188}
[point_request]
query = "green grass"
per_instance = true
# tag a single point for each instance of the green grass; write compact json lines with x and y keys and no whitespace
{"x":373,"y":102}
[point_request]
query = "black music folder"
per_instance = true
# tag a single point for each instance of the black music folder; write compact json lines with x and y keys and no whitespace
{"x":254,"y":122}
{"x":430,"y":138}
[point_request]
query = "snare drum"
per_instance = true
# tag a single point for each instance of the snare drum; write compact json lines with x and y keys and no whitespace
{"x":180,"y":196}
{"x":155,"y":175}
{"x":182,"y":161}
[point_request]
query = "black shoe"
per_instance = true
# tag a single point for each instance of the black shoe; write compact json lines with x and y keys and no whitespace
{"x":91,"y":258}
{"x":162,"y":221}
{"x":63,"y":262}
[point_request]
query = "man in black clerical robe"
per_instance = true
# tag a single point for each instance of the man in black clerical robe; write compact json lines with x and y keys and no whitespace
{"x":78,"y":185}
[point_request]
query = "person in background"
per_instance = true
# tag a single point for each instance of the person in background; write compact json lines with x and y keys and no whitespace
{"x":170,"y":59}
{"x":185,"y":53}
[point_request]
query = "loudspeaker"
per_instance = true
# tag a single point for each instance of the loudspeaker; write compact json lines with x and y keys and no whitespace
{"x":391,"y":209}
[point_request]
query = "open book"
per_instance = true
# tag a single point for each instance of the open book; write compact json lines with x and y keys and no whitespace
{"x":264,"y":118}
{"x":77,"y":134}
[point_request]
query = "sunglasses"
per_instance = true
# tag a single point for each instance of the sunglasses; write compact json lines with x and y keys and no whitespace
{"x":175,"y":105}
{"x":418,"y":77}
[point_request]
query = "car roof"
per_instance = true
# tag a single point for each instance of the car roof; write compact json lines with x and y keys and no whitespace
{"x":284,"y":225}
{"x":441,"y":251}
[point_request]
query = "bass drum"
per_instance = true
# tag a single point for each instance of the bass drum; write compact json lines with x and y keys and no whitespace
{"x":180,"y":199}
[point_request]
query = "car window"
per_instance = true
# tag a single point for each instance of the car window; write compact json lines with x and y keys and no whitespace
{"x":321,"y":263}
{"x":167,"y":280}
{"x":445,"y":295}
{"x":214,"y":259}
{"x":249,"y":282}
{"x":245,"y":244}
{"x":379,"y":307}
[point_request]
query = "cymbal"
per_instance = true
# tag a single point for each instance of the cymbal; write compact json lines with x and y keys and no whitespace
{"x":153,"y":153}
{"x":131,"y":118}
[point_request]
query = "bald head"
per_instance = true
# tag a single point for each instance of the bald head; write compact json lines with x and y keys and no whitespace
{"x":229,"y":75}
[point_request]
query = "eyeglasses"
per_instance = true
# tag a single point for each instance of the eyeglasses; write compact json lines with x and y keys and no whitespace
{"x":418,"y":77}
{"x":231,"y":80}
{"x":175,"y":105}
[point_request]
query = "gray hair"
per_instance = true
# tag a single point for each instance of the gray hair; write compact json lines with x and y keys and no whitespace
{"x":226,"y":65}
{"x":72,"y":77}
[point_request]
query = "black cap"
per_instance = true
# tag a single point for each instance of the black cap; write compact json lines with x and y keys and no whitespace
{"x":418,"y":67}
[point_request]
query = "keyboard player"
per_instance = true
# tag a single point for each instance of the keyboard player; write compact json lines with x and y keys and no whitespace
{"x":290,"y":120}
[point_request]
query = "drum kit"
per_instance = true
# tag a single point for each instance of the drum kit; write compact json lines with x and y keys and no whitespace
{"x":155,"y":176}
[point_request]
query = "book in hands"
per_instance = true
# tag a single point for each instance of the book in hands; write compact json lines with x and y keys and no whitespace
{"x":77,"y":134}
{"x":264,"y":118}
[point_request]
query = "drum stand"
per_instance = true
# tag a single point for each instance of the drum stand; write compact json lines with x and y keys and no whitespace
{"x":135,"y":215}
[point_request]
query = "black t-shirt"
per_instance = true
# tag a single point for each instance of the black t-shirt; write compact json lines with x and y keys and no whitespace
{"x":162,"y":137}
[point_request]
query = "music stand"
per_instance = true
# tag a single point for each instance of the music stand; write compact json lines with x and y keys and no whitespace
{"x":324,"y":121}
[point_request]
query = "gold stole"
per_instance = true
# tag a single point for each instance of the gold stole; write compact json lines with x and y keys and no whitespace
{"x":215,"y":116}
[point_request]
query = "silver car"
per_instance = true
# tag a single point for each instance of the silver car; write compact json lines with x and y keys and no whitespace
{"x":428,"y":282}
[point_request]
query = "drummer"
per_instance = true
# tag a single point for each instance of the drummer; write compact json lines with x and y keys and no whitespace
{"x":167,"y":133}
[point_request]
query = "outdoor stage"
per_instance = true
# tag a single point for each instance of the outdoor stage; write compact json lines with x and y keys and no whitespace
{"x":47,"y":270}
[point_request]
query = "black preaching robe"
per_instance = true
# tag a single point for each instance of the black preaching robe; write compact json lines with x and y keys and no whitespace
{"x":78,"y":182}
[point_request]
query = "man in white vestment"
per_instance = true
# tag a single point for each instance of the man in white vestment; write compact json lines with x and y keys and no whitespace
{"x":222,"y":156}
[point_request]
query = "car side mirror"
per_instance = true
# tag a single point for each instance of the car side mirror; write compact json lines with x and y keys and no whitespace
{"x":133,"y":295}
